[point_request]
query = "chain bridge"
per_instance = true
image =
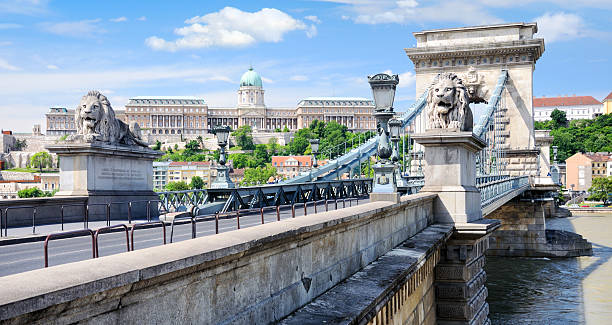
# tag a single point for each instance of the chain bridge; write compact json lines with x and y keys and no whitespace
{"x":320,"y":247}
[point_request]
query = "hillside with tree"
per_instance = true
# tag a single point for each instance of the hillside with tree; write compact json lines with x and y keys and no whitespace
{"x":578,"y":135}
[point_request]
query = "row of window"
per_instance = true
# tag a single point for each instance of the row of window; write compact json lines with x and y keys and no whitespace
{"x":164,"y":109}
{"x":337,"y":103}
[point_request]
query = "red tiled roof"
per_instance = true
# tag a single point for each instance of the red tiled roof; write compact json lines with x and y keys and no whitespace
{"x":597,"y":157}
{"x":565,"y":101}
{"x":302,"y":159}
{"x":237,"y":171}
{"x":608,"y":97}
{"x":190,"y":163}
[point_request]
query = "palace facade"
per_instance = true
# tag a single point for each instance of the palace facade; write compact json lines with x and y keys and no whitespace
{"x":161,"y":116}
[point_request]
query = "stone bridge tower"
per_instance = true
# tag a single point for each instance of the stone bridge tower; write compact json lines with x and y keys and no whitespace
{"x":477,"y":55}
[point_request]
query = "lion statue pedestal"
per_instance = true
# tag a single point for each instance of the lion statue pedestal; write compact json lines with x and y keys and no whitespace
{"x":107,"y":161}
{"x":450,"y":150}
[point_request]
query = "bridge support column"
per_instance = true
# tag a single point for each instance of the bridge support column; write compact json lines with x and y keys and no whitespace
{"x":450,"y":172}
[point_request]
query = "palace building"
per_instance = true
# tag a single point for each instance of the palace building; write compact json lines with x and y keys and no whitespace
{"x":161,"y":116}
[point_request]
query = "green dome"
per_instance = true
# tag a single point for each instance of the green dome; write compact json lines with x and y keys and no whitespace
{"x":250,"y":78}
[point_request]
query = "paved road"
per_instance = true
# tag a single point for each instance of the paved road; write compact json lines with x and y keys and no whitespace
{"x":29,"y":256}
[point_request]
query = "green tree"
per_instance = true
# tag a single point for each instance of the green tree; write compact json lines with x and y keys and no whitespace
{"x":273,"y":147}
{"x":601,"y":189}
{"x":33,"y":192}
{"x":244,"y":138}
{"x":239,"y":160}
{"x":41,"y":159}
{"x":277,"y":130}
{"x":196,"y":183}
{"x":20,"y":145}
{"x":177,"y":186}
{"x":191,"y":148}
{"x":286,"y":129}
{"x":559,"y":118}
{"x":261,"y":154}
{"x":157,"y":145}
{"x":200,"y":141}
{"x":259,"y":175}
{"x":317,"y":128}
{"x":176,"y":147}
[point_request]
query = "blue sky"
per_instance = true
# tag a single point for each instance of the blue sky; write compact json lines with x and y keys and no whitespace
{"x":52,"y":52}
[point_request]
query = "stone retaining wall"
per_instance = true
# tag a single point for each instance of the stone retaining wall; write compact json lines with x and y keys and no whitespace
{"x":255,"y":275}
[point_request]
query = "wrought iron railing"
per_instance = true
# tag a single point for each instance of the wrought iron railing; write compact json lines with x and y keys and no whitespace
{"x":267,"y":195}
{"x":494,"y":187}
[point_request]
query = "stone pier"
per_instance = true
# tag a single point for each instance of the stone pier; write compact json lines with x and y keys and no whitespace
{"x":459,"y":276}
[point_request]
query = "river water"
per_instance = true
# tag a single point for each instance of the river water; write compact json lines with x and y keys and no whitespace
{"x":556,"y":291}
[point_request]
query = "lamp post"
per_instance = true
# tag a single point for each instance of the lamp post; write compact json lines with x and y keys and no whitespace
{"x":395,"y":126}
{"x":420,"y":157}
{"x":223,"y":180}
{"x":383,"y":90}
{"x":314,"y":146}
{"x":554,"y":169}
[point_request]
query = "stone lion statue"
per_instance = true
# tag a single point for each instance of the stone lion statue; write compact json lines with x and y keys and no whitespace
{"x":448,"y":104}
{"x":96,"y":121}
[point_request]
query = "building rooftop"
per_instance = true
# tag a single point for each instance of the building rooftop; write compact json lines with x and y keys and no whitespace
{"x":565,"y":101}
{"x":251,"y":78}
{"x":494,"y":26}
{"x":609,"y":97}
{"x":168,"y":97}
{"x":190,"y":163}
{"x":172,"y":100}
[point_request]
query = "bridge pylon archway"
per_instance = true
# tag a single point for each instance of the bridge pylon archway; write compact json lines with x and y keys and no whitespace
{"x":478,"y":55}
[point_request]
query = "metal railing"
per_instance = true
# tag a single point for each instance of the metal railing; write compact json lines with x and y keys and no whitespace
{"x":264,"y":196}
{"x":493,"y":187}
{"x":85,"y":216}
{"x":129,"y":229}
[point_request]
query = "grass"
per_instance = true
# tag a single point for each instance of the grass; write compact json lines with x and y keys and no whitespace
{"x":31,"y":170}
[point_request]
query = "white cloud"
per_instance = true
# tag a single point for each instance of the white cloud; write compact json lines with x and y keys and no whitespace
{"x":83,"y":28}
{"x":231,"y":27}
{"x":410,"y":11}
{"x":9,"y":26}
{"x":6,"y":43}
{"x":264,"y":79}
{"x":24,"y":7}
{"x":142,"y":18}
{"x":119,"y":19}
{"x":560,"y":26}
{"x":406,"y":79}
{"x":314,"y":19}
{"x":52,"y":67}
{"x":4,"y":65}
{"x":211,"y":78}
{"x":298,"y":78}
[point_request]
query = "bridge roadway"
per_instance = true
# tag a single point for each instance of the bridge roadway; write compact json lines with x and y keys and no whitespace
{"x":24,"y":257}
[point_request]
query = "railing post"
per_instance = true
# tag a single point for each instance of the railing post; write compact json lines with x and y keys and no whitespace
{"x":262,"y":215}
{"x":62,"y":216}
{"x":238,"y":218}
{"x":216,"y":222}
{"x":130,"y":212}
{"x":108,"y":214}
{"x":33,"y":221}
{"x":86,"y":221}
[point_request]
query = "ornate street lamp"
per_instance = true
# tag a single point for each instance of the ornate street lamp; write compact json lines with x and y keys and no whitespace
{"x":223,"y":180}
{"x":420,"y":158}
{"x":554,"y":169}
{"x":383,"y":90}
{"x":395,"y":126}
{"x":314,"y":146}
